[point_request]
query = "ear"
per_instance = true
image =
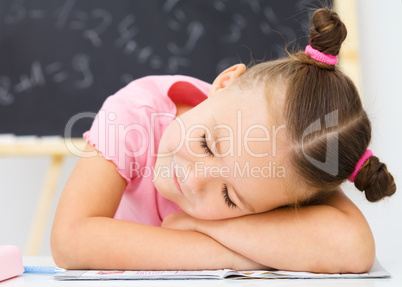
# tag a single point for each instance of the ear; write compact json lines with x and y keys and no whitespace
{"x":227,"y":77}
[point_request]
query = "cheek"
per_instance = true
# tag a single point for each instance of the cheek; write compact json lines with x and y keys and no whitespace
{"x":172,"y":138}
{"x":210,"y":210}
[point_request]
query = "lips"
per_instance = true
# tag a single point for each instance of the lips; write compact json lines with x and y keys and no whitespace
{"x":176,"y":182}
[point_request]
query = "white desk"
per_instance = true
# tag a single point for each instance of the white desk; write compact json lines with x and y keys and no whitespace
{"x":47,"y":280}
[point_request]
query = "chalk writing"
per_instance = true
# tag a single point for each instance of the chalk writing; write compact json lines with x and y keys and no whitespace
{"x":16,"y":12}
{"x":59,"y":53}
{"x":127,"y":31}
{"x":39,"y":75}
{"x":63,"y":13}
{"x":236,"y":27}
{"x":81,"y":65}
{"x":93,"y":32}
{"x":92,"y":24}
{"x":194,"y":32}
{"x":6,"y":98}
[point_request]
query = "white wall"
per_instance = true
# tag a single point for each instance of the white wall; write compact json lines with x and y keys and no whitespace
{"x":380,"y":27}
{"x":21,"y":183}
{"x":380,"y":23}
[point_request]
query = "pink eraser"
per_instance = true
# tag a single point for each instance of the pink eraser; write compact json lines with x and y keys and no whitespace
{"x":10,"y":262}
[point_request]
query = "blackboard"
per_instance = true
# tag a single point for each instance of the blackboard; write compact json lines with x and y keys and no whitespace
{"x":59,"y":58}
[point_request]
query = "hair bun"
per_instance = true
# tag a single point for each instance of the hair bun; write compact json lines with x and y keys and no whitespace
{"x":328,"y":31}
{"x":375,"y":180}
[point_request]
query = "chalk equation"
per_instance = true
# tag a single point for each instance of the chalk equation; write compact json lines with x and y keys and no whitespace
{"x":39,"y":75}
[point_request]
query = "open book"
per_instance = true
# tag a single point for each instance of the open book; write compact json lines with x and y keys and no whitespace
{"x":376,"y":272}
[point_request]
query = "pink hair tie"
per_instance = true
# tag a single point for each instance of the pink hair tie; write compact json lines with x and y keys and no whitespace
{"x":321,"y":57}
{"x":367,"y":154}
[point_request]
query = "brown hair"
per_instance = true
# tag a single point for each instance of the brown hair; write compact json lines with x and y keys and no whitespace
{"x":326,"y":125}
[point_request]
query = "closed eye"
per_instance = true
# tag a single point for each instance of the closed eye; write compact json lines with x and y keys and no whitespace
{"x":225,"y":193}
{"x":228,"y":201}
{"x":205,"y":146}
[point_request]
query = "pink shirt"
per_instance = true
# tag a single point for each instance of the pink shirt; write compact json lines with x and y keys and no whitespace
{"x":127,"y":131}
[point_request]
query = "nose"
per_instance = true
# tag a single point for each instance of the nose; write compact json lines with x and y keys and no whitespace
{"x":193,"y":165}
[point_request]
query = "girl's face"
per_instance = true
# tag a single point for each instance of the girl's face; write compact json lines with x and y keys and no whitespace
{"x":223,"y":158}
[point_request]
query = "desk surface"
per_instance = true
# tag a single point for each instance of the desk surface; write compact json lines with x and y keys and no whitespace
{"x":47,"y":280}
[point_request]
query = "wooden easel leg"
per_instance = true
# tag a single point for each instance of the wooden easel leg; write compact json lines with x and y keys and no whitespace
{"x":44,"y":205}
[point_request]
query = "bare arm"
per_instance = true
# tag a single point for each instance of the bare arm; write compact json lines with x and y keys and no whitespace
{"x":332,"y":236}
{"x":85,"y":235}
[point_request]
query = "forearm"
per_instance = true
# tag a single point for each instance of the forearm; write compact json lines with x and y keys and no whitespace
{"x":314,"y":238}
{"x":106,"y":243}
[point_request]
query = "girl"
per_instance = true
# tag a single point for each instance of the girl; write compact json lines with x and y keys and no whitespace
{"x":216,"y":184}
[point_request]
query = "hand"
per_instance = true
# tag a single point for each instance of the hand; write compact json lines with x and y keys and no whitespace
{"x":180,"y":220}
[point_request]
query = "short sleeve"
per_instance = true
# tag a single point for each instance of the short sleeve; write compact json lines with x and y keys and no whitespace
{"x":121,"y":131}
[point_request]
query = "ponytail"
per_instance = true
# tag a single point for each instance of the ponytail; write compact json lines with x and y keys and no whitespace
{"x":317,"y":90}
